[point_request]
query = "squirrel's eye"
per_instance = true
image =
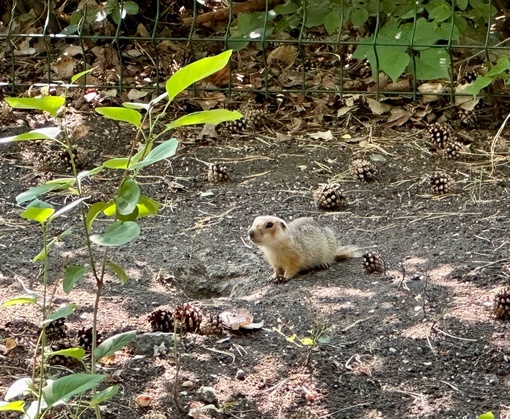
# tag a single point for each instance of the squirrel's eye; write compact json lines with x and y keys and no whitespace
{"x":269,"y":225}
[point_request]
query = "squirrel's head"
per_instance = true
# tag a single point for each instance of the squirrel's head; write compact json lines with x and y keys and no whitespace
{"x":267,"y":230}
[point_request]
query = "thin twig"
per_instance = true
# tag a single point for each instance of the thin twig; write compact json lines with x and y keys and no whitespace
{"x":452,"y":336}
{"x":357,"y":322}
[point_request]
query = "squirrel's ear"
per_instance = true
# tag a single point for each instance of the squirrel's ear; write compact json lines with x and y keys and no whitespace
{"x":284,"y":225}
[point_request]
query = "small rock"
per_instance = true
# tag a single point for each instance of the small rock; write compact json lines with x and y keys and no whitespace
{"x":240,"y":375}
{"x":145,"y":343}
{"x":187,"y":384}
{"x":207,"y":394}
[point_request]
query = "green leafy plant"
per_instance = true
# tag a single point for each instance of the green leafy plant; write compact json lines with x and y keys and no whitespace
{"x":123,"y":213}
{"x":319,"y":334}
{"x":407,"y":36}
{"x":89,"y":13}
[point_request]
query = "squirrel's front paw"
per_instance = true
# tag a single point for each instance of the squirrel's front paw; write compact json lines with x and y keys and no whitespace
{"x":279,"y":279}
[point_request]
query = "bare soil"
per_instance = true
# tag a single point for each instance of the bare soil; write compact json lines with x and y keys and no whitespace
{"x":418,"y":341}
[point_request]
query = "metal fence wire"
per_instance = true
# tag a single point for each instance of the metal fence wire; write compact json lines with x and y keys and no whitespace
{"x":389,"y":47}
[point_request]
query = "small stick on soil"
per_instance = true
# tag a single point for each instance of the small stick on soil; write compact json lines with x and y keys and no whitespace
{"x":434,"y":352}
{"x":357,"y":322}
{"x":448,"y":384}
{"x":222,"y":353}
{"x":402,"y":284}
{"x":452,"y":336}
{"x":273,"y":389}
{"x":487,"y":265}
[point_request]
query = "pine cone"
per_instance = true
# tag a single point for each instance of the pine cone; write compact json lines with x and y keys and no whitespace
{"x":452,"y":150}
{"x":440,"y":134}
{"x":161,"y":320}
{"x":467,"y":118}
{"x":363,"y":169}
{"x":470,"y":76}
{"x":66,"y":361}
{"x":188,"y":318}
{"x":255,"y":117}
{"x":57,"y":329}
{"x":212,"y":325}
{"x":373,"y":262}
{"x":217,"y":173}
{"x":441,"y":183}
{"x":6,"y":115}
{"x":238,"y":126}
{"x":329,"y":197}
{"x":85,"y":338}
{"x":502,"y":304}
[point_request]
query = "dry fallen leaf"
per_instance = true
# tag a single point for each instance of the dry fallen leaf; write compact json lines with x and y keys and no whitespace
{"x":143,"y":400}
{"x":10,"y":344}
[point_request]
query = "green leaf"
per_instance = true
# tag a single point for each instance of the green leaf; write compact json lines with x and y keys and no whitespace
{"x":94,"y":211}
{"x":288,"y":8}
{"x":49,"y":133}
{"x":50,"y":104}
{"x":17,"y":406}
{"x":213,"y":117}
{"x":163,"y":151}
{"x":501,"y":66}
{"x":186,"y":76}
{"x":359,"y":17}
{"x":117,"y":234}
{"x":432,"y":64}
{"x":332,"y":22}
{"x":440,"y":12}
{"x":133,"y":105}
{"x":104,"y":395}
{"x":121,"y":274}
{"x":113,"y":344}
{"x":128,"y":196}
{"x":488,"y":415}
{"x":39,"y":211}
{"x":478,"y":85}
{"x":22,"y":299}
{"x":324,"y":339}
{"x":73,"y":274}
{"x":64,"y":388}
{"x":130,"y":116}
{"x":132,"y":216}
{"x":44,"y":251}
{"x":81,"y":74}
{"x":61,"y":312}
{"x":393,"y":61}
{"x":42,"y":189}
{"x":131,"y":7}
{"x":462,"y":4}
{"x":147,"y":206}
{"x":315,"y":15}
{"x":77,"y":353}
{"x":307,"y":341}
{"x":119,"y":163}
{"x":67,"y":208}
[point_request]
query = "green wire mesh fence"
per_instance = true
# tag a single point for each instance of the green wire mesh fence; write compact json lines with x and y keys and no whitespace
{"x":391,"y":47}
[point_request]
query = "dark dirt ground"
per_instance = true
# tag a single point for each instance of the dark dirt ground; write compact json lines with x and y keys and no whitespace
{"x":416,"y":346}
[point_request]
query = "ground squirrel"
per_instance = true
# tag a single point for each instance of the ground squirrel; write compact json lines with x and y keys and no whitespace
{"x":297,"y":246}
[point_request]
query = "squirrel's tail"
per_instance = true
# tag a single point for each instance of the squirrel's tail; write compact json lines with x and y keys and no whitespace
{"x":347,"y":252}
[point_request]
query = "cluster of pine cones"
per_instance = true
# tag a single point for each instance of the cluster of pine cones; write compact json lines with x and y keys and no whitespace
{"x":59,"y":339}
{"x":186,"y":318}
